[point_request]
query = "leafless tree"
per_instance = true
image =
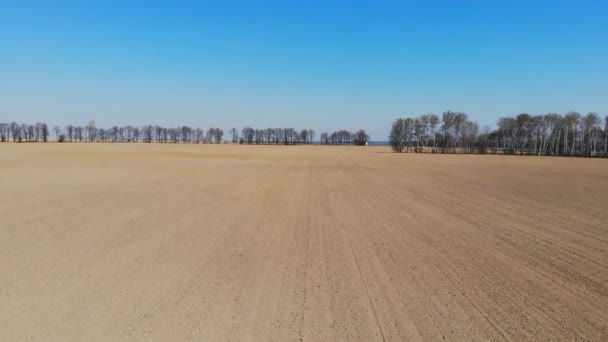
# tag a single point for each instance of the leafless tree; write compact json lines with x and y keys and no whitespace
{"x":235,"y":135}
{"x":360,"y":138}
{"x":4,"y":132}
{"x":26,"y":132}
{"x":44,"y":132}
{"x":57,"y":131}
{"x":79,"y":133}
{"x":69,"y":130}
{"x":15,"y":131}
{"x":397,"y":135}
{"x":324,"y":138}
{"x":218,"y":134}
{"x":91,"y":131}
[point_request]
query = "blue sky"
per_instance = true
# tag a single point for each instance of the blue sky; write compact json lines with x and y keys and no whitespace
{"x":324,"y":65}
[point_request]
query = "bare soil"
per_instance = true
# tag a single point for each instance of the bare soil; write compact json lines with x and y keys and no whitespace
{"x":220,"y":242}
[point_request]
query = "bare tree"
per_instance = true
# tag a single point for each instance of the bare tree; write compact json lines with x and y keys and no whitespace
{"x":360,"y":138}
{"x":311,"y":135}
{"x":57,"y":131}
{"x":147,"y":132}
{"x":304,"y":136}
{"x":235,"y":135}
{"x":44,"y":132}
{"x":15,"y":131}
{"x":69,"y":130}
{"x":79,"y":133}
{"x":91,"y":131}
{"x":218,"y":134}
{"x":397,"y":135}
{"x":26,"y":132}
{"x":324,"y":138}
{"x":4,"y":132}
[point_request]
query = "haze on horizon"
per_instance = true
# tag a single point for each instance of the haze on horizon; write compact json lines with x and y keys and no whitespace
{"x":320,"y":65}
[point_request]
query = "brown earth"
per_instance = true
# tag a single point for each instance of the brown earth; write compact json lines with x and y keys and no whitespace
{"x":205,"y":242}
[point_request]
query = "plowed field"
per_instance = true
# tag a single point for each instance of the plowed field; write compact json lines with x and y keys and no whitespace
{"x":220,"y":242}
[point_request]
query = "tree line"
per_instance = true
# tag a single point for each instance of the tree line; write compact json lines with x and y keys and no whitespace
{"x":273,"y":136}
{"x":13,"y":131}
{"x":343,"y":137}
{"x":91,"y":133}
{"x":551,"y":134}
{"x":40,"y":132}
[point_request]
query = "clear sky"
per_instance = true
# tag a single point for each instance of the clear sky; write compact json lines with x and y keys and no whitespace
{"x":305,"y":64}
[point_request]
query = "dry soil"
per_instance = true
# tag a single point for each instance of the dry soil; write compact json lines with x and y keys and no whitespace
{"x":102,"y":242}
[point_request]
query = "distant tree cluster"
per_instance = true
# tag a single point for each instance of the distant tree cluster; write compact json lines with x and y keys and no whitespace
{"x":149,"y":133}
{"x":13,"y":131}
{"x":423,"y":134}
{"x":343,"y":137}
{"x":552,"y":134}
{"x":273,"y":136}
{"x":91,"y":133}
